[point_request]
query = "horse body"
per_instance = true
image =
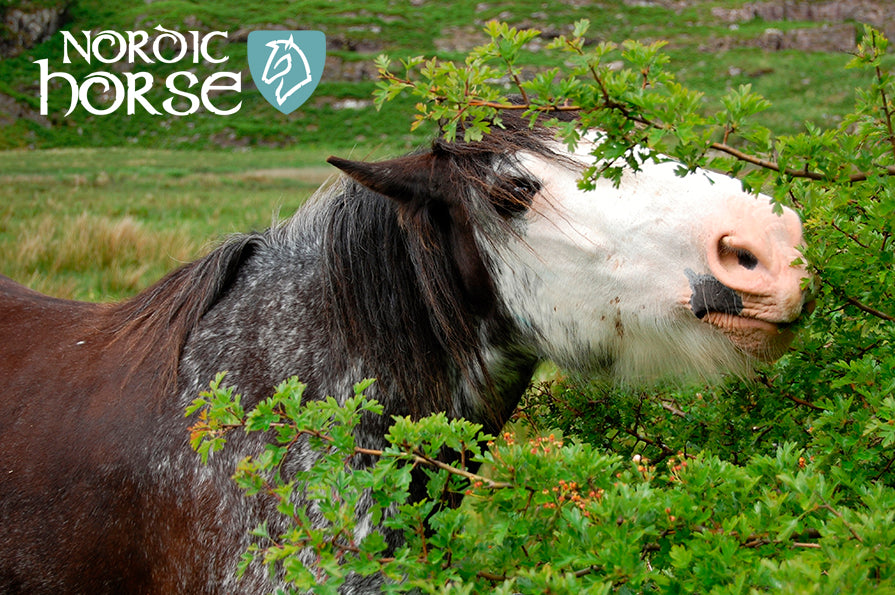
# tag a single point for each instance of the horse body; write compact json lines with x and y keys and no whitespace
{"x":447,"y":275}
{"x":71,"y":473}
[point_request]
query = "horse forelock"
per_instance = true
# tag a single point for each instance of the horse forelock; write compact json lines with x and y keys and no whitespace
{"x":385,"y":283}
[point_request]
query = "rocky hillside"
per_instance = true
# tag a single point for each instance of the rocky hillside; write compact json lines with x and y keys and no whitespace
{"x":27,"y":24}
{"x":714,"y":43}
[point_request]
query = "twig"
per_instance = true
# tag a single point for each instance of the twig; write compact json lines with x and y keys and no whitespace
{"x":885,"y":469}
{"x":674,"y":410}
{"x":803,"y":402}
{"x":717,"y":146}
{"x":524,"y":106}
{"x":422,"y":459}
{"x":839,"y":516}
{"x":497,"y":578}
{"x":666,"y":451}
{"x":886,"y":111}
{"x":850,"y":236}
{"x":486,"y":481}
{"x":860,"y":306}
{"x":885,"y":101}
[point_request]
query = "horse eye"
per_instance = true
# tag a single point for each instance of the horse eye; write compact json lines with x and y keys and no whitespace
{"x":511,"y":196}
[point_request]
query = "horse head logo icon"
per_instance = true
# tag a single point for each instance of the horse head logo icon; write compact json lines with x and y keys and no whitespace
{"x":280,"y":58}
{"x":286,"y":65}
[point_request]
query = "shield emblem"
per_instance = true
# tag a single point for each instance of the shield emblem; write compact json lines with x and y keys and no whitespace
{"x":286,"y":65}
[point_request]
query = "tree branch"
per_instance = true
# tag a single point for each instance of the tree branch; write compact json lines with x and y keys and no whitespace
{"x":869,"y":310}
{"x":717,"y":146}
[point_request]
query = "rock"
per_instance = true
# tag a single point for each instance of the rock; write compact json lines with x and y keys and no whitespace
{"x":839,"y":14}
{"x":460,"y":39}
{"x":363,"y":45}
{"x":11,"y":111}
{"x":827,"y":38}
{"x":242,"y":35}
{"x":337,"y":69}
{"x":351,"y":104}
{"x":24,"y":30}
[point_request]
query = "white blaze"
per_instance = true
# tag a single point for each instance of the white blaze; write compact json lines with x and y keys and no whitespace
{"x":602,"y":272}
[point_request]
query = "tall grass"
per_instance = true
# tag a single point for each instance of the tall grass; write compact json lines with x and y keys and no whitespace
{"x":119,"y":256}
{"x":102,"y":224}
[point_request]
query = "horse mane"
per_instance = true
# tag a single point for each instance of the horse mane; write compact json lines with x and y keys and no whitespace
{"x":387,"y":271}
{"x":154,"y":325}
{"x":392,"y":269}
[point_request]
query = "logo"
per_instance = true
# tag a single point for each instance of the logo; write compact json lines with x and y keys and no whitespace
{"x":286,"y":65}
{"x":104,"y":92}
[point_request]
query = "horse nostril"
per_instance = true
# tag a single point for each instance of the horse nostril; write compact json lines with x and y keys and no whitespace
{"x":746,"y":259}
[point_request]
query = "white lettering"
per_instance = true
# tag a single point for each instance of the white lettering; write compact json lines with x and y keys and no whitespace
{"x":136,"y":47}
{"x":45,"y":77}
{"x":135,"y":95}
{"x":209,"y":85}
{"x":177,"y":39}
{"x":204,"y":47}
{"x":68,"y":38}
{"x":107,"y":80}
{"x":112,"y":37}
{"x":194,"y":101}
{"x":168,"y":46}
{"x":133,"y":46}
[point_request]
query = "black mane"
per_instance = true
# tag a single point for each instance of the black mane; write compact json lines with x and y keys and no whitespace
{"x":411,"y":273}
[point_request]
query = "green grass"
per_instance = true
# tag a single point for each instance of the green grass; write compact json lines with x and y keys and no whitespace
{"x":106,"y":205}
{"x":101,"y":224}
{"x":802,"y":85}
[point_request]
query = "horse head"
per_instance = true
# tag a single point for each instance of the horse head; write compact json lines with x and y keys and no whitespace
{"x":660,"y":275}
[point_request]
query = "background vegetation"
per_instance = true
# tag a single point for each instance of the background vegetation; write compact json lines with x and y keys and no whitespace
{"x":713,"y":47}
{"x":781,"y":483}
{"x":794,"y":57}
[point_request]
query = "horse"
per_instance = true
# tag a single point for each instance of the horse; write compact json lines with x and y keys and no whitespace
{"x":448,"y":274}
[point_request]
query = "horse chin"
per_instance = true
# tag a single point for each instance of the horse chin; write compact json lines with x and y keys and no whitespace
{"x":759,"y":339}
{"x":674,"y":350}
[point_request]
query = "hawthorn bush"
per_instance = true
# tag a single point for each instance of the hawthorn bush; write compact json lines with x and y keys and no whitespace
{"x":784,"y":482}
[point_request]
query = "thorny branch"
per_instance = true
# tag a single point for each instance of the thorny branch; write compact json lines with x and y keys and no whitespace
{"x":717,"y":146}
{"x":858,"y":304}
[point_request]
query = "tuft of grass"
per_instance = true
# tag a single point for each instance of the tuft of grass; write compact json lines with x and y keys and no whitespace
{"x":119,"y":256}
{"x":103,"y":224}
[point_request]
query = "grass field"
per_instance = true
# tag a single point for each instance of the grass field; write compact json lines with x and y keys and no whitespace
{"x":101,"y":224}
{"x":709,"y":53}
{"x":98,"y":207}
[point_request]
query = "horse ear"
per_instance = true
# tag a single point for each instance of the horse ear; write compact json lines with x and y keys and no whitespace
{"x":402,"y":179}
{"x":418,"y":182}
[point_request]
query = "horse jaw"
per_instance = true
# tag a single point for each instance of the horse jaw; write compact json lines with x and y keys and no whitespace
{"x":600,"y":279}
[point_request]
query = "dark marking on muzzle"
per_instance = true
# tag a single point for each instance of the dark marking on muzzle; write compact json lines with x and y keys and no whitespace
{"x":710,"y":295}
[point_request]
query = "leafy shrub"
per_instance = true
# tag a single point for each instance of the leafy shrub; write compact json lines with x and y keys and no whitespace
{"x":781,"y":483}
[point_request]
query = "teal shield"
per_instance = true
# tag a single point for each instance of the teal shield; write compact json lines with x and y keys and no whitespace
{"x":286,"y":65}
